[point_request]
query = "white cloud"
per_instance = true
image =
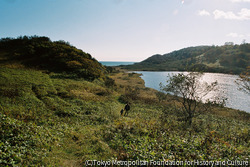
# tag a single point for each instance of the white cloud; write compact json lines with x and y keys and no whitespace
{"x":203,"y":13}
{"x":235,"y":35}
{"x":218,"y":14}
{"x":240,"y":0}
{"x":244,"y":14}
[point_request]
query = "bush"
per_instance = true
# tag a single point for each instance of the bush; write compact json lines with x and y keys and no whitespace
{"x":109,"y":82}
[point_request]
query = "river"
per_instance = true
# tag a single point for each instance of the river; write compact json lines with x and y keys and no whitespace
{"x":226,"y":87}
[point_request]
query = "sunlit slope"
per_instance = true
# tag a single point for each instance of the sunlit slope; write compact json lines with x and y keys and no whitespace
{"x":50,"y":120}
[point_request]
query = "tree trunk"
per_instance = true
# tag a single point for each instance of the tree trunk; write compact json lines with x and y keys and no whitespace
{"x":189,"y":120}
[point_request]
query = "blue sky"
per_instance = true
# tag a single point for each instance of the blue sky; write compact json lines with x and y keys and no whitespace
{"x":128,"y":30}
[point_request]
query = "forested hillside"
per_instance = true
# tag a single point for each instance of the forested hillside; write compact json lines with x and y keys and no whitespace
{"x":224,"y":59}
{"x":41,"y":53}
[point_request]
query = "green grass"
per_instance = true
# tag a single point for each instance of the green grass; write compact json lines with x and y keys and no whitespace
{"x":232,"y":59}
{"x":53,"y":120}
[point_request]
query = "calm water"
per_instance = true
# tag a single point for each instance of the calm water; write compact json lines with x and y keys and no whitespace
{"x":226,"y":87}
{"x":115,"y":63}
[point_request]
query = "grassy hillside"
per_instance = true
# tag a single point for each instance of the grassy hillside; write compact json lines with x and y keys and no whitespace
{"x":225,"y":59}
{"x":51,"y":119}
{"x":41,"y":53}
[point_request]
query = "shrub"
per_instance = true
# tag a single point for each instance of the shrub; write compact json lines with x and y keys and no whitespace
{"x":109,"y":82}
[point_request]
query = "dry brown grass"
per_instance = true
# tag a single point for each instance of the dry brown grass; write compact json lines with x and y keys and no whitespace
{"x":129,"y":81}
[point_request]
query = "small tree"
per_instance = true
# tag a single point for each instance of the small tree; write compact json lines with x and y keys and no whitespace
{"x":191,"y":93}
{"x":244,"y":81}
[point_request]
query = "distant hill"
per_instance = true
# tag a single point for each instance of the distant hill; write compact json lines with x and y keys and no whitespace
{"x":224,"y":59}
{"x":41,"y":53}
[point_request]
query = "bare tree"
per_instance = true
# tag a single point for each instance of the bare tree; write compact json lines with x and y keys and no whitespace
{"x":190,"y":92}
{"x":244,"y":81}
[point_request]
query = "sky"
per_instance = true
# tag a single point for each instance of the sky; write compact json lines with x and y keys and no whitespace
{"x":128,"y":30}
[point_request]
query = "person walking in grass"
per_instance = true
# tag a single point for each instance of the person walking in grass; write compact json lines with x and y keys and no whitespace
{"x":121,"y":112}
{"x":126,"y":108}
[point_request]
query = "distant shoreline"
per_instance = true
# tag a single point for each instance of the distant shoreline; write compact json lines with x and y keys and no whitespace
{"x":116,"y":63}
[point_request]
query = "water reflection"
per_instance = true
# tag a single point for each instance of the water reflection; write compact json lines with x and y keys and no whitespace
{"x":226,"y":87}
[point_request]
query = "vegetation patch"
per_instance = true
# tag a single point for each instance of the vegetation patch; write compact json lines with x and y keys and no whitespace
{"x":51,"y":118}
